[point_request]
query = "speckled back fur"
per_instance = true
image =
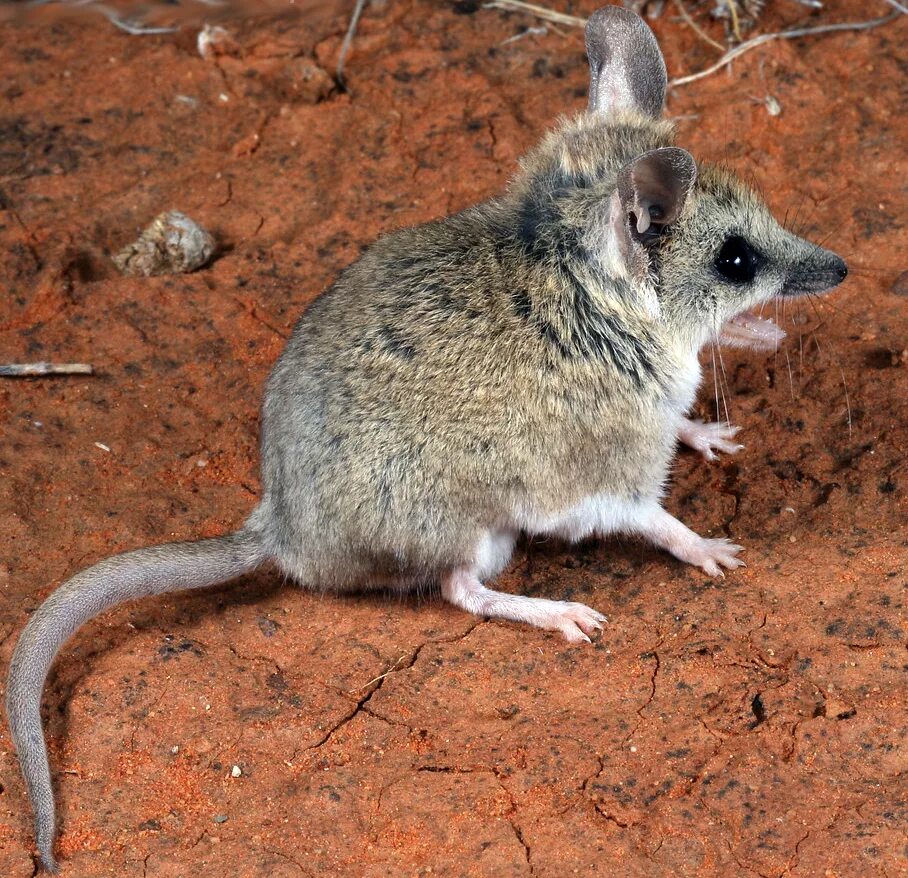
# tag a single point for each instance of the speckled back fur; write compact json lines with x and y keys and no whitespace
{"x":463,"y":369}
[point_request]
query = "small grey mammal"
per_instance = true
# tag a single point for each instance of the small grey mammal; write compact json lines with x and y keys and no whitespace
{"x":523,"y":366}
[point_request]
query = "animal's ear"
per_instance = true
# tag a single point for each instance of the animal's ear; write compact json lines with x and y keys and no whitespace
{"x":654,"y":187}
{"x":651,"y":193}
{"x":627,"y":71}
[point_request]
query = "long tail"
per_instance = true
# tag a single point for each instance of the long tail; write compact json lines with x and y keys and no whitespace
{"x":138,"y":574}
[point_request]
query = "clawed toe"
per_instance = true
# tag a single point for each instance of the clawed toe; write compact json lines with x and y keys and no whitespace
{"x":577,"y":621}
{"x":709,"y":438}
{"x":719,"y":553}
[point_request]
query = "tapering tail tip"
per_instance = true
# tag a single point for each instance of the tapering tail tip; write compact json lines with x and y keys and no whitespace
{"x":48,"y":863}
{"x":45,"y":834}
{"x":144,"y":572}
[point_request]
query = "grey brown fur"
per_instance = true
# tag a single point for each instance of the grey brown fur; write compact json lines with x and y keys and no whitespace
{"x":525,"y":365}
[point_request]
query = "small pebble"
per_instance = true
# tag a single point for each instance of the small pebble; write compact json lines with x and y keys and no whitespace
{"x":173,"y":243}
{"x":220,"y":818}
{"x":236,"y":771}
{"x":174,"y":750}
{"x":214,"y":40}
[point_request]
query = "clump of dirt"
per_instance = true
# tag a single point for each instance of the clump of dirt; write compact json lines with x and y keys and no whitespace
{"x":754,"y":725}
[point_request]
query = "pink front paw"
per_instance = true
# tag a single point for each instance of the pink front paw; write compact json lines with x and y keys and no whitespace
{"x":712,"y":555}
{"x":577,"y":622}
{"x":709,"y":438}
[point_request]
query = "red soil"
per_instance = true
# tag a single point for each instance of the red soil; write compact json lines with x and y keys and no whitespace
{"x":751,"y":726}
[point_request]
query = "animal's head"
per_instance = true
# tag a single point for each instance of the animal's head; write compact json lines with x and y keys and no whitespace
{"x":694,"y":242}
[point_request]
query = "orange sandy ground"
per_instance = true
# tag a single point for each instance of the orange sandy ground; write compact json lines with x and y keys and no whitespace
{"x":751,"y":726}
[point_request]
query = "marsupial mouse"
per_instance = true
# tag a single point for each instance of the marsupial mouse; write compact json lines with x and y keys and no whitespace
{"x":523,"y":366}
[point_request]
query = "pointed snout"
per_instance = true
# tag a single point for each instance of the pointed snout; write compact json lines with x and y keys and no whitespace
{"x":838,"y":269}
{"x":819,"y":271}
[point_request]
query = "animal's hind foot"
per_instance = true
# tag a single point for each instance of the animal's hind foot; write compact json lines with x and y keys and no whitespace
{"x":576,"y":622}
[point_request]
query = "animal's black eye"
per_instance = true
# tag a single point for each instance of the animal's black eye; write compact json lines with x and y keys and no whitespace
{"x":737,"y":261}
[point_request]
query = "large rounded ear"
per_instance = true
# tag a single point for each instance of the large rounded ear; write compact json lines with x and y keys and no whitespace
{"x":653,"y":188}
{"x":627,"y":71}
{"x":651,"y":193}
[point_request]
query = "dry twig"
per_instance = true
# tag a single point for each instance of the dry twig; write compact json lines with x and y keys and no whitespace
{"x":131,"y":27}
{"x":696,"y":27}
{"x":390,"y":670}
{"x":732,"y":8}
{"x":542,"y":12}
{"x":348,"y":41}
{"x":529,"y":32}
{"x":573,"y":20}
{"x":36,"y":370}
{"x":792,"y":34}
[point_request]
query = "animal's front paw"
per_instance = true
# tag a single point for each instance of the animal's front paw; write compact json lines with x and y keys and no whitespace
{"x":575,"y":621}
{"x":712,"y":555}
{"x":709,"y":438}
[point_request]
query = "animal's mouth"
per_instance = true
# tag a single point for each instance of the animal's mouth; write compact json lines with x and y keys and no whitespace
{"x":746,"y":330}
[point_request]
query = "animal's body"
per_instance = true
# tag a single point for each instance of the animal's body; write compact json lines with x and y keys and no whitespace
{"x":524,"y":366}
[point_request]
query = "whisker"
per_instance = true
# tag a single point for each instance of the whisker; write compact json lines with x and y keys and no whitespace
{"x":726,"y":387}
{"x":775,"y":353}
{"x":847,"y":400}
{"x":844,"y":383}
{"x":715,"y":378}
{"x":838,"y":364}
{"x":825,"y":304}
{"x":790,"y":377}
{"x":814,"y":302}
{"x":855,"y":268}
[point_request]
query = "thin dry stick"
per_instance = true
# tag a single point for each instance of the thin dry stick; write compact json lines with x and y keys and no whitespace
{"x":732,"y":8}
{"x":390,"y":670}
{"x":33,"y":370}
{"x":539,"y":11}
{"x":730,"y":56}
{"x":348,"y":41}
{"x":696,"y":27}
{"x":136,"y":30}
{"x":529,"y":32}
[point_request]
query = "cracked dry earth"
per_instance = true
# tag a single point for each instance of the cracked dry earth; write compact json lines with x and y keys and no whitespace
{"x":754,"y":726}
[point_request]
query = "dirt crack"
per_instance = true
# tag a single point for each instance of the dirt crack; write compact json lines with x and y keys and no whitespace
{"x":793,"y":860}
{"x":287,"y":858}
{"x":512,"y":804}
{"x":254,"y":659}
{"x":376,"y":684}
{"x":652,"y":654}
{"x":612,"y":818}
